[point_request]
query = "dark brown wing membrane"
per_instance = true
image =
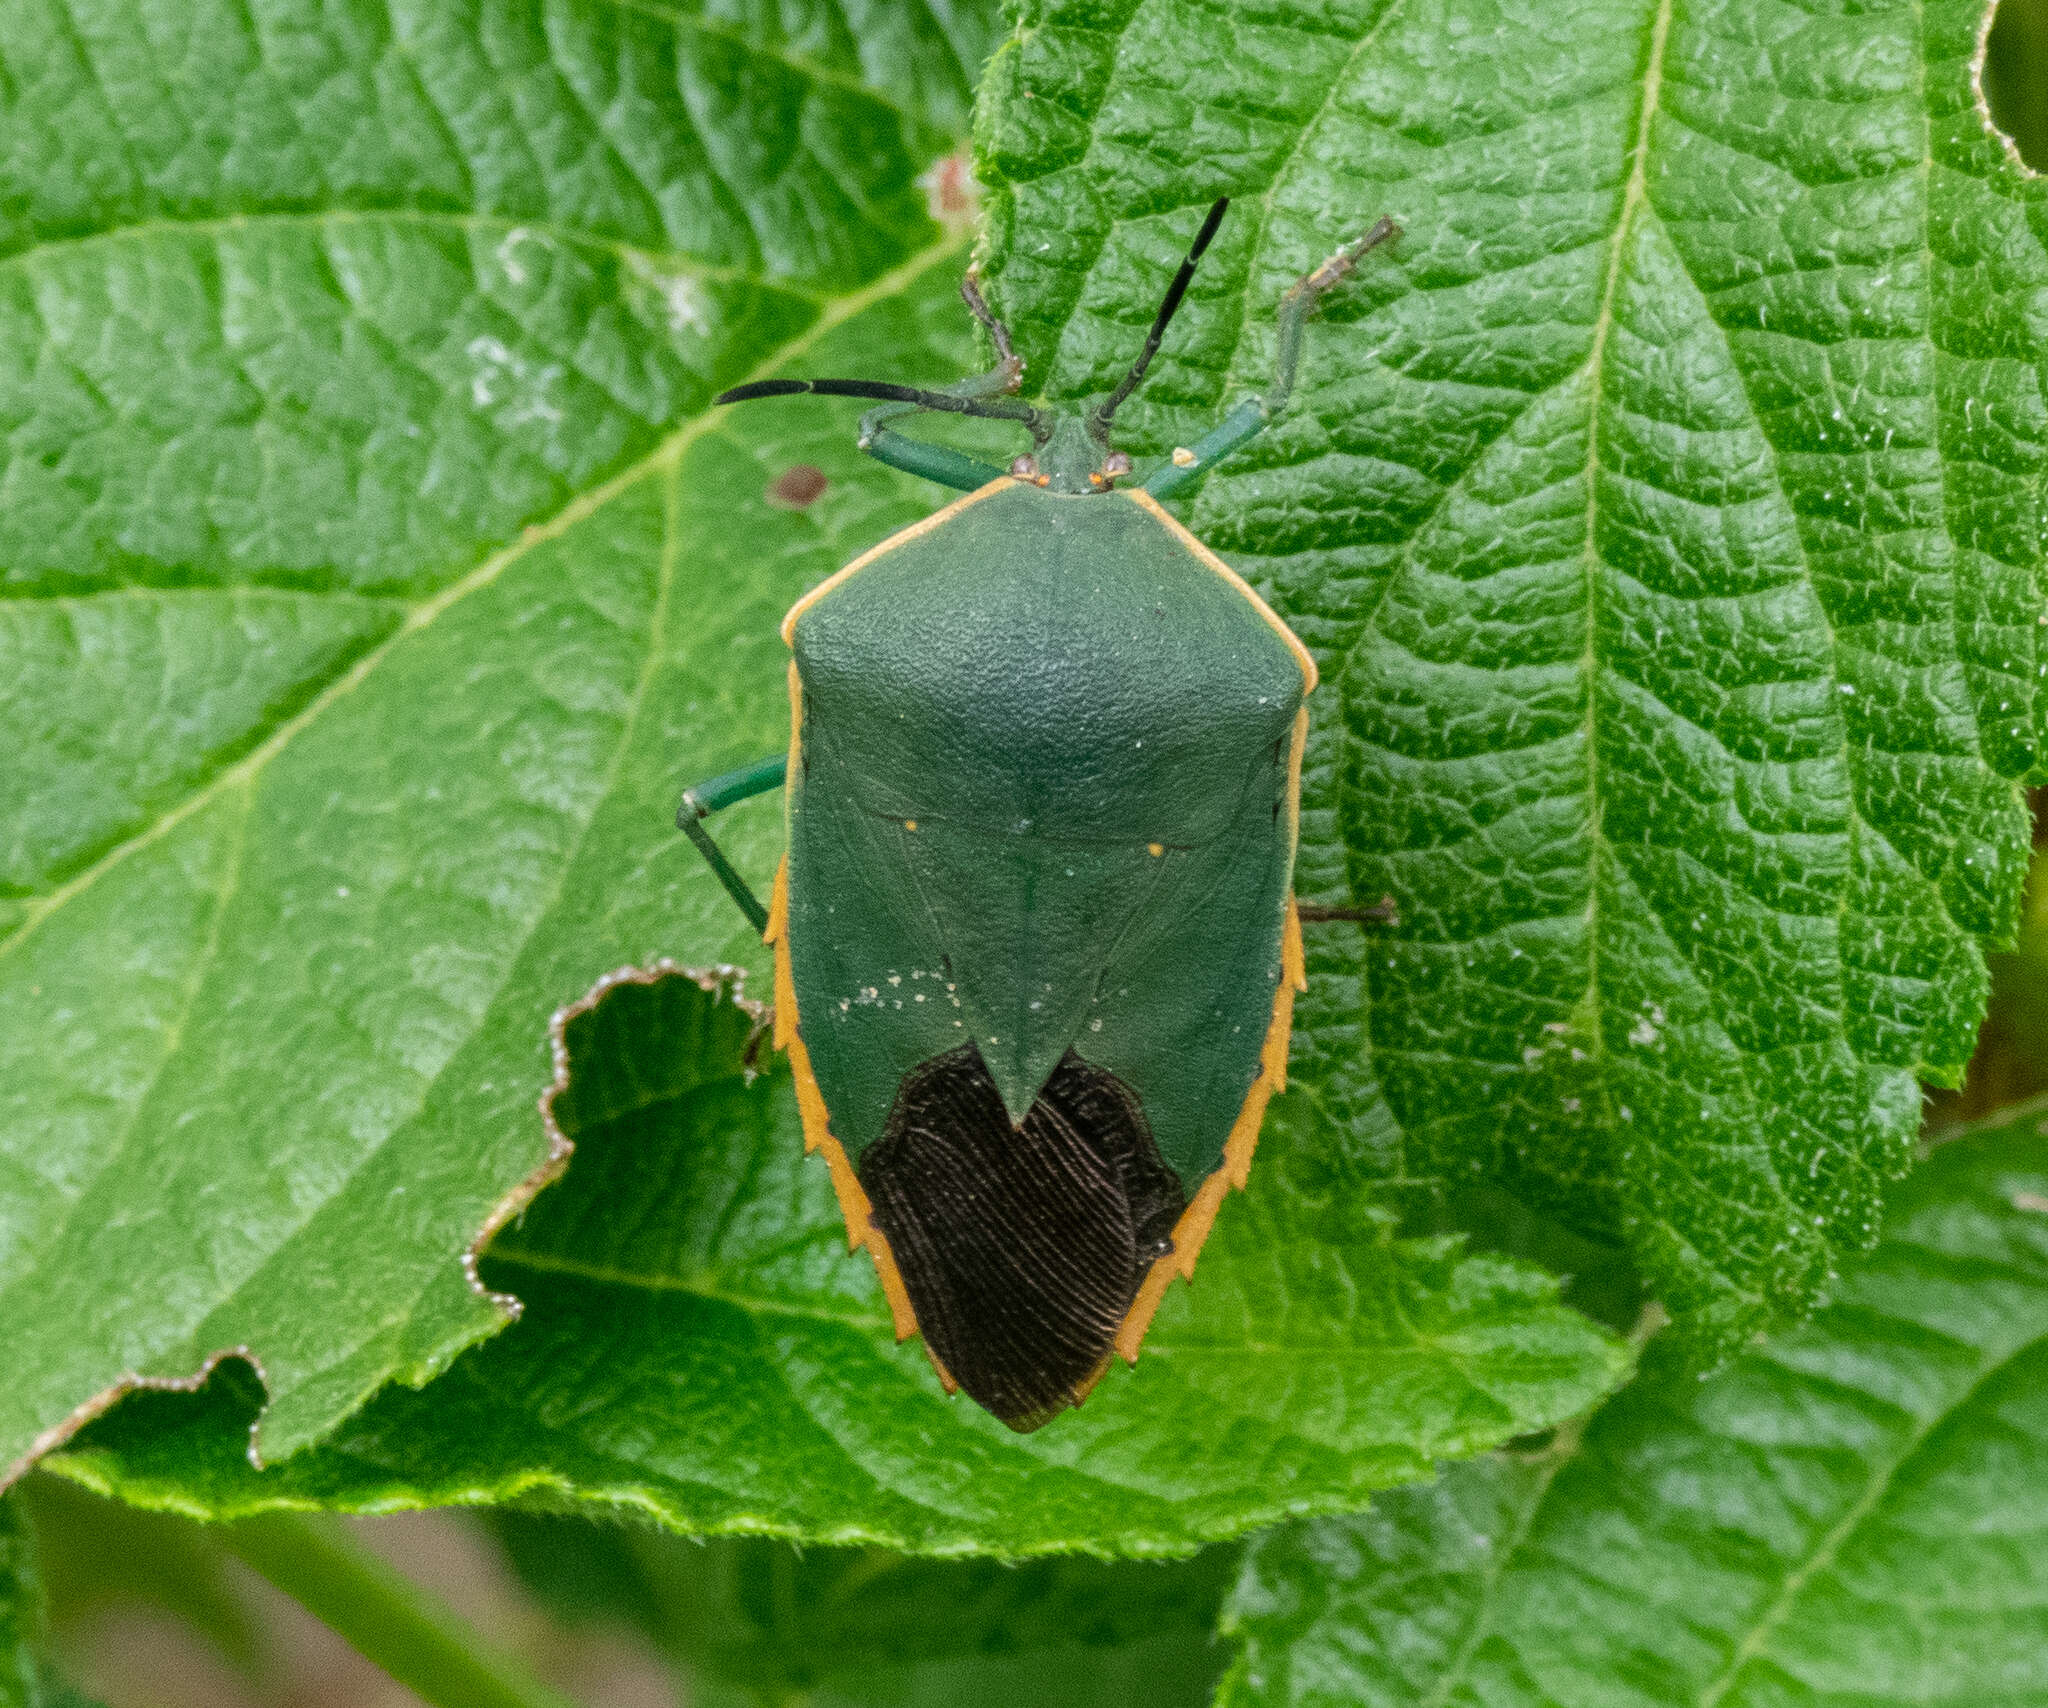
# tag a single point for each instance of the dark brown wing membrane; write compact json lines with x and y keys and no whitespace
{"x":1021,"y":1247}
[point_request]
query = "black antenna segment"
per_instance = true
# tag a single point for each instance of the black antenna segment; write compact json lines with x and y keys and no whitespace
{"x":992,"y":408}
{"x":1098,"y":423}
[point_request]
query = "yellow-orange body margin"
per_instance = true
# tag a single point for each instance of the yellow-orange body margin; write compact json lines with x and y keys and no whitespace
{"x":1191,"y":1232}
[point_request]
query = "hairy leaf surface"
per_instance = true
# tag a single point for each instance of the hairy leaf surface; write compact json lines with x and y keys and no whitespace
{"x":1857,"y":1512}
{"x":1666,"y":508}
{"x":698,"y":1347}
{"x":357,"y":616}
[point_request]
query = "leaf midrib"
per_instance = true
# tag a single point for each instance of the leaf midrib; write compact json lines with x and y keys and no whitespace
{"x":1634,"y":196}
{"x":1823,"y":1553}
{"x":1486,"y":1604}
{"x":697,"y":1286}
{"x":1828,"y":1549}
{"x":418,"y":617}
{"x":1635,"y":199}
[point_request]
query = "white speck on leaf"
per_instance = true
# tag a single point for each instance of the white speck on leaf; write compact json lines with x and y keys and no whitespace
{"x":508,"y":253}
{"x":685,"y":307}
{"x":502,"y":375}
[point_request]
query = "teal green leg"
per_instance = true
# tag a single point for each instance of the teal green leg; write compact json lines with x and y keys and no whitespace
{"x":1253,"y":416}
{"x":934,"y":462}
{"x":1242,"y":425}
{"x":704,"y":799}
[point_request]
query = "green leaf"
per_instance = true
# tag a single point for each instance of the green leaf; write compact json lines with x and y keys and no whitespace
{"x":838,"y":1624}
{"x":698,"y":1347}
{"x":26,"y":1680}
{"x":1858,"y":1511}
{"x":1666,"y":509}
{"x":367,"y":585}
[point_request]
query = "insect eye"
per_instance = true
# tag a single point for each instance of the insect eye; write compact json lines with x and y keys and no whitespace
{"x":1114,"y":464}
{"x":1024,"y":467}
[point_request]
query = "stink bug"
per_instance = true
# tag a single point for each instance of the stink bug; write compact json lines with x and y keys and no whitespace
{"x":1035,"y":942}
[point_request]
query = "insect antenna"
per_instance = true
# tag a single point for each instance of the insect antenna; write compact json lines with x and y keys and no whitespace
{"x":1098,"y":422}
{"x":991,"y":408}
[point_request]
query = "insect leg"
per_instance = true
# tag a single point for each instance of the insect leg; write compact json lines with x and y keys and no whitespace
{"x":704,"y":799}
{"x":1009,"y":366}
{"x":914,"y":456}
{"x":1382,"y":912}
{"x":1300,"y":302}
{"x":984,"y":395}
{"x":1242,"y":425}
{"x":939,"y":462}
{"x":1251,"y":417}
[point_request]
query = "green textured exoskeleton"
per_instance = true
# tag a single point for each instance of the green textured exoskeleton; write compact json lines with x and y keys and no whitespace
{"x":1035,"y":943}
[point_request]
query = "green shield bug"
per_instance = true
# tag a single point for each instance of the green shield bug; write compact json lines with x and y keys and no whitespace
{"x":1035,"y":941}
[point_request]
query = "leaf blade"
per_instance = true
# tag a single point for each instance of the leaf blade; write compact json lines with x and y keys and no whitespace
{"x":444,"y":411}
{"x":1851,"y":1509}
{"x":699,"y":1348}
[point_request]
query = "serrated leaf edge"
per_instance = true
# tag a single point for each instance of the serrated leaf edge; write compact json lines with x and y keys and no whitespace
{"x":665,"y":456}
{"x":1978,"y":57}
{"x":719,"y":981}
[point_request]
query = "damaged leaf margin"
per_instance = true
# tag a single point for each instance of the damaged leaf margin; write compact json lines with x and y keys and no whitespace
{"x":375,"y":947}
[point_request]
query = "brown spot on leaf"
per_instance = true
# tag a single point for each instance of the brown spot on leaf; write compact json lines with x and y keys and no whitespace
{"x":797,"y":488}
{"x":951,"y":195}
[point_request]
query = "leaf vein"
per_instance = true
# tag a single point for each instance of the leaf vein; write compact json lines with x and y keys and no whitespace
{"x":585,"y":504}
{"x":1827,"y":1550}
{"x":224,"y":224}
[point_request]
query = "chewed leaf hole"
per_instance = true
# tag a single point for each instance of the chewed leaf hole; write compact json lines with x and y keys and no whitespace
{"x":699,"y":1347}
{"x":2015,"y":77}
{"x":658,"y":1088}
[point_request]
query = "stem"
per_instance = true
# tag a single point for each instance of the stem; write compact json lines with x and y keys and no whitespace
{"x":386,"y":1617}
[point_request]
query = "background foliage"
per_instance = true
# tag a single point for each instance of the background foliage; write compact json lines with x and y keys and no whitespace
{"x":1666,"y":509}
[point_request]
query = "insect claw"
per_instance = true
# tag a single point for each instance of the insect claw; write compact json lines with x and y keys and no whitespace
{"x":1341,"y":263}
{"x":750,"y":1054}
{"x":1382,"y":912}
